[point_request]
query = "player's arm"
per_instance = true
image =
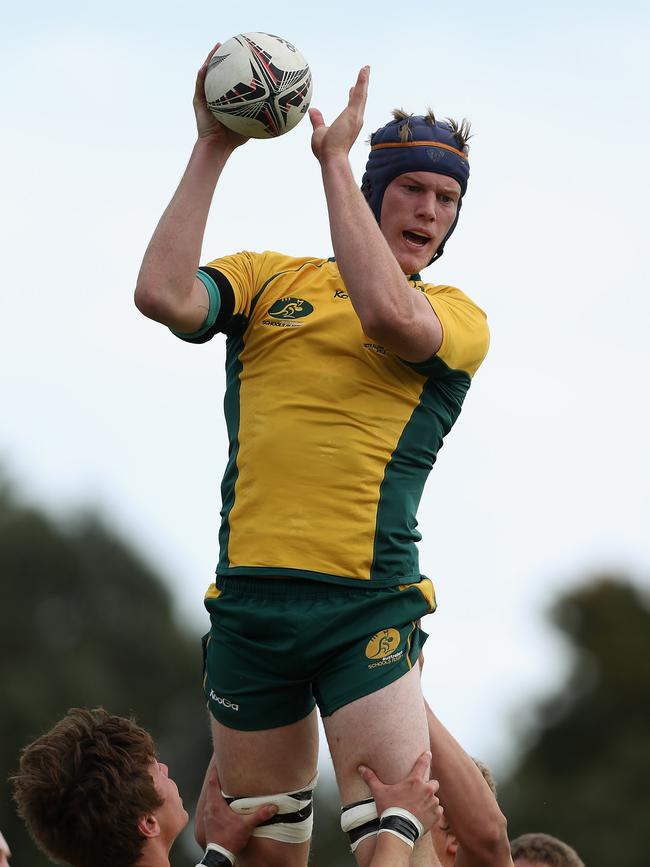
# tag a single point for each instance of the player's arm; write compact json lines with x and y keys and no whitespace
{"x":390,"y":309}
{"x":168,"y":289}
{"x":470,"y":806}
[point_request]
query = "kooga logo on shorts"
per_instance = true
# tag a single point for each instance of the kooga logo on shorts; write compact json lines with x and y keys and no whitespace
{"x":225,"y":702}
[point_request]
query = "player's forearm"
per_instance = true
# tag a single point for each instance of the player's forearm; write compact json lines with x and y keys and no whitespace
{"x":469,"y":804}
{"x":390,"y":851}
{"x":379,"y":291}
{"x":169,"y":266}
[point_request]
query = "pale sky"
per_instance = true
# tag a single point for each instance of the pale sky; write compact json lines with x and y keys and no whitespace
{"x":543,"y":480}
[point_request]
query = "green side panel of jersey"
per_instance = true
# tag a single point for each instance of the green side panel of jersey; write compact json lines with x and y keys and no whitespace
{"x":395,"y":552}
{"x":234,"y":347}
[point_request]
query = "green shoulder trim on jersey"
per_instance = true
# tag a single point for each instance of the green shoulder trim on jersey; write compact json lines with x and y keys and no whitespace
{"x":234,"y":347}
{"x":395,"y":551}
{"x":214,"y":305}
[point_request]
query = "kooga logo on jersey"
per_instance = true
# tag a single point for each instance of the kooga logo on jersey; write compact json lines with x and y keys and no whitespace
{"x":290,"y":308}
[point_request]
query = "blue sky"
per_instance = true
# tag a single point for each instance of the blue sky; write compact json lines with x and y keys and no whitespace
{"x":543,"y":480}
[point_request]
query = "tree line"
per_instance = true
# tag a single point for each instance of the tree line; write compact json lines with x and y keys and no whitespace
{"x":85,"y":621}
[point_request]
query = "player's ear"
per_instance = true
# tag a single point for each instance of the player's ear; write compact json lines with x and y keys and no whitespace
{"x":148,"y":825}
{"x":452,"y":845}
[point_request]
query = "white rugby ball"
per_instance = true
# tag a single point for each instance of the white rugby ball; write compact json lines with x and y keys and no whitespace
{"x":258,"y":85}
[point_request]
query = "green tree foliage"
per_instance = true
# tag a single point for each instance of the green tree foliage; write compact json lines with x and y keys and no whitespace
{"x":585,"y":776}
{"x":85,"y":622}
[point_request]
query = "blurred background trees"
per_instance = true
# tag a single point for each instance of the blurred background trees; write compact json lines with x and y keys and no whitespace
{"x":584,"y":774}
{"x":85,"y":621}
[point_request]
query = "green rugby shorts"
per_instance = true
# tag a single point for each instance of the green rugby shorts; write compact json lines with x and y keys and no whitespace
{"x":277,"y":646}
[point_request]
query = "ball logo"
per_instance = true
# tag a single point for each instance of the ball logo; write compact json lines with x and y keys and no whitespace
{"x":284,"y":42}
{"x":290,"y":308}
{"x":383,"y":644}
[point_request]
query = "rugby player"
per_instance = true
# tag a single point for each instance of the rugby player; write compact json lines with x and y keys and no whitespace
{"x":344,"y":374}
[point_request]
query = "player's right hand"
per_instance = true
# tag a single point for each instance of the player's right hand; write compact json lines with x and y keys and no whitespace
{"x":337,"y":139}
{"x":415,"y":793}
{"x":208,"y":127}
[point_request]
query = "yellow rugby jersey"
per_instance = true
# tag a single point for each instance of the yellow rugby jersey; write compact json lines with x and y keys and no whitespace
{"x":331,"y":436}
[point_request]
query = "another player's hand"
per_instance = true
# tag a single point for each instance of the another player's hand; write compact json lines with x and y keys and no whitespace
{"x":222,"y":825}
{"x":207,"y":125}
{"x":337,"y":139}
{"x":415,"y":793}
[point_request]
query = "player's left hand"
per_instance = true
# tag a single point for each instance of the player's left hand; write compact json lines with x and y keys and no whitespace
{"x":415,"y":793}
{"x":337,"y":139}
{"x":222,"y":825}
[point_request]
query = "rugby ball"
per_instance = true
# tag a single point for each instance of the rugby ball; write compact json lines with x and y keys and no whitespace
{"x":258,"y":85}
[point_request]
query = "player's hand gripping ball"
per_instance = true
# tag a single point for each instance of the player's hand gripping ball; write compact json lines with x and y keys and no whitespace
{"x":258,"y":85}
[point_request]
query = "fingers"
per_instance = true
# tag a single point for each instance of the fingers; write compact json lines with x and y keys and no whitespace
{"x":316,"y":118}
{"x":422,"y":767}
{"x":369,"y":778}
{"x":262,"y":815}
{"x":211,"y":52}
{"x":359,"y":93}
{"x":200,"y":77}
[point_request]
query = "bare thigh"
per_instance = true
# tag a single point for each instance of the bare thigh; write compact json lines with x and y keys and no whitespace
{"x":267,"y":762}
{"x":386,"y":731}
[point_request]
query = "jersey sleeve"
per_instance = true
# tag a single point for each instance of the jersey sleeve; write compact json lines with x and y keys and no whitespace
{"x":465,"y":333}
{"x":232,"y":284}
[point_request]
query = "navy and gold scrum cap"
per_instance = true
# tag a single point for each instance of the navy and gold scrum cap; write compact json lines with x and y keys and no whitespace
{"x":416,"y":143}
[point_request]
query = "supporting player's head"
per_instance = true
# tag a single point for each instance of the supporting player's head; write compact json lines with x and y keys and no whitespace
{"x":93,"y":794}
{"x":542,"y":850}
{"x":414,"y":144}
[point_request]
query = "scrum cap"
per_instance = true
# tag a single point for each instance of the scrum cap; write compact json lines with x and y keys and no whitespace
{"x":416,"y":143}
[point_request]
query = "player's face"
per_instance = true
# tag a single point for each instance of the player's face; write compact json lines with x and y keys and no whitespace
{"x":417,"y":211}
{"x":171,"y":816}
